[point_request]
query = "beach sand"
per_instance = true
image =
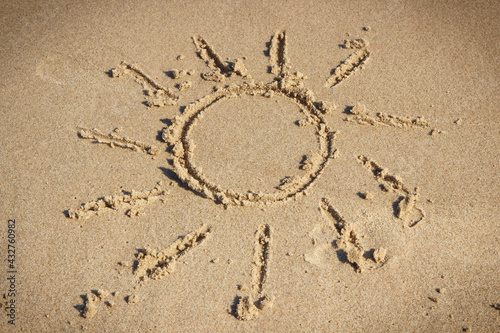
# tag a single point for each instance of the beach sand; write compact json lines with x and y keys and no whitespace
{"x":234,"y":166}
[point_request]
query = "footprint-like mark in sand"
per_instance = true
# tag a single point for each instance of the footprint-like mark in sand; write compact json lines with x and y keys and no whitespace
{"x":405,"y":207}
{"x":346,"y":242}
{"x":60,"y":68}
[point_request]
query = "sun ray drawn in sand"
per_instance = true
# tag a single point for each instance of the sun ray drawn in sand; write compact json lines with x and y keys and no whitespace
{"x":289,"y":85}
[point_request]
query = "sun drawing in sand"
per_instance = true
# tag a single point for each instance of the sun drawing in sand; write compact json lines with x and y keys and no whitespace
{"x":287,"y":85}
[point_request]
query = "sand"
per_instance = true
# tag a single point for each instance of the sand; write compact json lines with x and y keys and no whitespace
{"x":237,"y":166}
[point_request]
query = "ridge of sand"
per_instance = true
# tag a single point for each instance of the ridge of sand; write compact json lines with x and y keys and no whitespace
{"x":249,"y":306}
{"x":359,"y":115}
{"x":354,"y":62}
{"x":155,"y":265}
{"x":211,"y":58}
{"x":160,"y":96}
{"x":132,"y":202}
{"x":280,"y":63}
{"x":220,"y":68}
{"x":349,"y":242}
{"x":114,"y":140}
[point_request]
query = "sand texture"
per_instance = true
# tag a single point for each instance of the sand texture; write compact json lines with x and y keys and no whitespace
{"x":248,"y":166}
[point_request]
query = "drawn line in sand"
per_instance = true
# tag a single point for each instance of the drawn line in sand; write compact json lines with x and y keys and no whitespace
{"x":182,"y":147}
{"x":220,"y":68}
{"x":208,"y":54}
{"x":114,"y":140}
{"x":132,"y":202}
{"x":262,"y":255}
{"x":348,"y":243}
{"x":405,"y":207}
{"x":359,"y":115}
{"x":249,"y":307}
{"x":159,"y":96}
{"x":355,"y":61}
{"x":154,"y":265}
{"x":150,"y":264}
{"x":280,"y":63}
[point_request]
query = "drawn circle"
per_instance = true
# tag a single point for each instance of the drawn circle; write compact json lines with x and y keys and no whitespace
{"x":178,"y":137}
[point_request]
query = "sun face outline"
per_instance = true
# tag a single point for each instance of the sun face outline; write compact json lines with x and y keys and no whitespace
{"x":177,"y":136}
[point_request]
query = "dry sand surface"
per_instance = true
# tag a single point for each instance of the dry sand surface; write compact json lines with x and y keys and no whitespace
{"x":246,"y":166}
